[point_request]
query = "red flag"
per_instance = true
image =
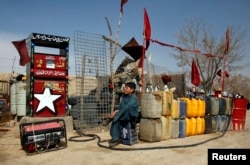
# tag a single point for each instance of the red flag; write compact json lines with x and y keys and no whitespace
{"x":147,"y":29}
{"x":122,"y":3}
{"x":195,"y":75}
{"x":227,"y":41}
{"x":23,"y":52}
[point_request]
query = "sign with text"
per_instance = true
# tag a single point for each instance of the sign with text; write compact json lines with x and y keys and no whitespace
{"x":48,"y":61}
{"x":46,"y":73}
{"x":237,"y":156}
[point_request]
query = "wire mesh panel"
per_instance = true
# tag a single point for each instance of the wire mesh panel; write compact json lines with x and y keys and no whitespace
{"x":94,"y":88}
{"x":93,"y":95}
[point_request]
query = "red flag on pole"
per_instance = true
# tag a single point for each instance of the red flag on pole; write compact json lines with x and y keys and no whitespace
{"x":147,"y":29}
{"x":23,"y":52}
{"x":227,"y":41}
{"x":195,"y":75}
{"x":122,"y":3}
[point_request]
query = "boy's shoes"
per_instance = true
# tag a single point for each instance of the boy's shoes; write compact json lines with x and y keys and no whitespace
{"x":114,"y":143}
{"x":106,"y":121}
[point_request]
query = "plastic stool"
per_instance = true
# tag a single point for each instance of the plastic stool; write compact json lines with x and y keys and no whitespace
{"x":129,"y":134}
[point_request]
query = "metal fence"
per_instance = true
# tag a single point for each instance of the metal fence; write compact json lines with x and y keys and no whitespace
{"x":93,"y":75}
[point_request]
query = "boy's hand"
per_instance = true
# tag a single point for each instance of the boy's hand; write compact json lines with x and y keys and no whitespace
{"x":112,"y":115}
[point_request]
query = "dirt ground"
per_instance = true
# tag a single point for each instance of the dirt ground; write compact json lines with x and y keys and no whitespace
{"x":189,"y":150}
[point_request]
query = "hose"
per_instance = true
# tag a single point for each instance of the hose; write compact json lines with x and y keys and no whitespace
{"x":99,"y":143}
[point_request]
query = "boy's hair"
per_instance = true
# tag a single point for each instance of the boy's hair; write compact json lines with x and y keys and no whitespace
{"x":131,"y":85}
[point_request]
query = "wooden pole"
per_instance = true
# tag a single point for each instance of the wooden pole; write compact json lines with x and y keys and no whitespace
{"x":142,"y":72}
{"x":225,"y":58}
{"x":223,"y":74}
{"x":113,"y":54}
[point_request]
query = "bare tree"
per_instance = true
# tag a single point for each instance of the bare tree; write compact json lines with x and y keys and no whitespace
{"x":210,"y":58}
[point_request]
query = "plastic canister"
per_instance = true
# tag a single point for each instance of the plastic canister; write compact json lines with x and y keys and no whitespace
{"x":182,"y":128}
{"x":175,"y":109}
{"x":151,"y":105}
{"x":183,"y":108}
{"x":200,"y":125}
{"x":239,"y":113}
{"x":222,"y":106}
{"x":214,"y":105}
{"x":167,"y":98}
{"x":208,"y":108}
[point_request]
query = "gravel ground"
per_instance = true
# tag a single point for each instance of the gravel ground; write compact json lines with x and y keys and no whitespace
{"x":191,"y":150}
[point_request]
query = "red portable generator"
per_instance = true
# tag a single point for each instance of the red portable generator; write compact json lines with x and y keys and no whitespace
{"x":42,"y":136}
